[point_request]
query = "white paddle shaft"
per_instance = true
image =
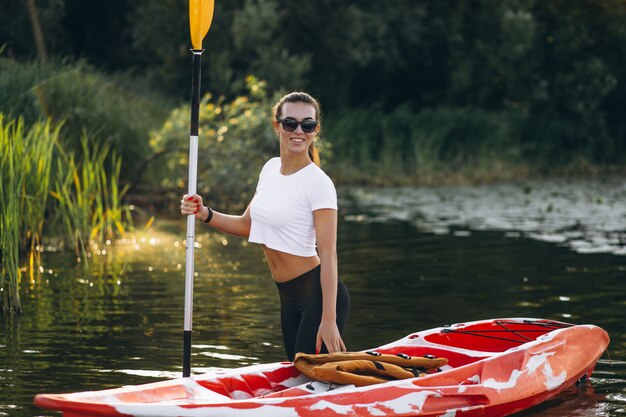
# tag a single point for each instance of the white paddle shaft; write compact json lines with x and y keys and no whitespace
{"x":191,"y":233}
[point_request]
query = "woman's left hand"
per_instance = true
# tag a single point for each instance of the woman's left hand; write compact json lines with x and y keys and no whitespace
{"x":329,"y":334}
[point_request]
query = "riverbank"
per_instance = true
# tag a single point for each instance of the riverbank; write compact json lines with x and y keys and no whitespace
{"x":163,"y":203}
{"x":498,"y":172}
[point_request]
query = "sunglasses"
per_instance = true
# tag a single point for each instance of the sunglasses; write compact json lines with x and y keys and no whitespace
{"x":289,"y":125}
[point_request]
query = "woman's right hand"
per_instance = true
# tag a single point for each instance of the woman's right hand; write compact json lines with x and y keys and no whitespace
{"x":192,"y":205}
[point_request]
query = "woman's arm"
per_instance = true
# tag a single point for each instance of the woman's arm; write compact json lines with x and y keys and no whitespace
{"x":233,"y":225}
{"x":326,"y":232}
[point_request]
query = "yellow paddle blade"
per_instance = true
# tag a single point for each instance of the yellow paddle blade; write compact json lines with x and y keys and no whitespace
{"x":200,"y":18}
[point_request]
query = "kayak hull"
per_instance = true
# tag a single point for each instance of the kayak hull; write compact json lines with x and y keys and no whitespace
{"x":495,"y":368}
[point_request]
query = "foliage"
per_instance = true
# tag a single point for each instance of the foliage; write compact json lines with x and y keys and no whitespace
{"x":88,"y":199}
{"x":85,"y":101}
{"x":246,"y":39}
{"x":10,"y":186}
{"x":259,"y":46}
{"x":405,"y":143}
{"x":235,"y":140}
{"x":551,"y":60}
{"x":36,"y":164}
{"x":17,"y":96}
{"x":25,"y":164}
{"x":555,"y":66}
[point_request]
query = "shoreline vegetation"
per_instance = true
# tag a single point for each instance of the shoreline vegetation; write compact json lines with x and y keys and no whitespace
{"x":498,"y":173}
{"x":79,"y":149}
{"x":47,"y":191}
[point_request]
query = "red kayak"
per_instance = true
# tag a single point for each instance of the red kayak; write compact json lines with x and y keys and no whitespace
{"x":494,"y":368}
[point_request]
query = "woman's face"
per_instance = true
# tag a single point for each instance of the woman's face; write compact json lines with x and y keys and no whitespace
{"x":298,"y":141}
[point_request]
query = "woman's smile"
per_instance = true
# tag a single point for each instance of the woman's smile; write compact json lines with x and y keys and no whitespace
{"x":296,"y":141}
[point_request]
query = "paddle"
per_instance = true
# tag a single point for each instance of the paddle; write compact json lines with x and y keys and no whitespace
{"x":200,"y":17}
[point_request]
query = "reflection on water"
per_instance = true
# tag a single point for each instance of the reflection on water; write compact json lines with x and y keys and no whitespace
{"x":122,"y":323}
{"x":588,"y":216}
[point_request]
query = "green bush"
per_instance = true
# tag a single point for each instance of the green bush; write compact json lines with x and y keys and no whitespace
{"x":18,"y":96}
{"x":235,"y":140}
{"x":405,"y":144}
{"x":105,"y":107}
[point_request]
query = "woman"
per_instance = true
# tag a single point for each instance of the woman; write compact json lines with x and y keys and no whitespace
{"x":294,"y":208}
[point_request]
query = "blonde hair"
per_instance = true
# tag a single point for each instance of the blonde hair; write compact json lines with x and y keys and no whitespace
{"x":300,"y":97}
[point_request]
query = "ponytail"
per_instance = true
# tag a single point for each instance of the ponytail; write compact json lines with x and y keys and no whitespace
{"x":314,"y":154}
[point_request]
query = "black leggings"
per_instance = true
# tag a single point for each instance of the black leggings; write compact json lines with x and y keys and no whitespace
{"x":301,"y":311}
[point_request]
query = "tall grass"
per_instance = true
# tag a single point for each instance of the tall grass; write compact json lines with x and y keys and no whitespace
{"x":25,"y":164}
{"x":9,"y":219}
{"x":37,"y":165}
{"x":404,"y":145}
{"x":88,"y":199}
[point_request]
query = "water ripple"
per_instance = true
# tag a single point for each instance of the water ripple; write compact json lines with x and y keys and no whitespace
{"x":588,"y":215}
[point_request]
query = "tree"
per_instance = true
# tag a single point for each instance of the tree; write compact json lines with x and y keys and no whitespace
{"x":35,"y":24}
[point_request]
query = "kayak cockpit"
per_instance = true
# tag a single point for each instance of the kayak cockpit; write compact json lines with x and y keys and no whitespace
{"x":286,"y":380}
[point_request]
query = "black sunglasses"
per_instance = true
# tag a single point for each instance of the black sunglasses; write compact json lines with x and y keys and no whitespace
{"x":291,"y":124}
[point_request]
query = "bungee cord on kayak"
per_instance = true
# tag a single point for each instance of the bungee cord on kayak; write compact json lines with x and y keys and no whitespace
{"x":483,"y":333}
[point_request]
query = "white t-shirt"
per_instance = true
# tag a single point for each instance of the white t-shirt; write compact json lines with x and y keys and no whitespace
{"x":281,"y":211}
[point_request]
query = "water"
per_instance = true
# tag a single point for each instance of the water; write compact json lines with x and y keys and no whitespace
{"x":412,"y":259}
{"x":586,"y":215}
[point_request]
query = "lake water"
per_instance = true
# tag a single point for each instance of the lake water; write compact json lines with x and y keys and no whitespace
{"x":413,"y":258}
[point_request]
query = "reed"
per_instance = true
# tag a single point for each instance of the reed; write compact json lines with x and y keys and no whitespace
{"x":88,"y":199}
{"x":25,"y":163}
{"x":37,"y":164}
{"x":10,"y":141}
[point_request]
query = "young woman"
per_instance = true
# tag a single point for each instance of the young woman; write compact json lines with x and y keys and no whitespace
{"x":293,"y":215}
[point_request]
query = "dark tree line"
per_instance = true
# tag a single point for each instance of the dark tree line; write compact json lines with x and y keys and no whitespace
{"x":557,"y":62}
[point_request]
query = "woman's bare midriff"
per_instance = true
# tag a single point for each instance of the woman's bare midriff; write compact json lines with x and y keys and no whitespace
{"x":285,"y":266}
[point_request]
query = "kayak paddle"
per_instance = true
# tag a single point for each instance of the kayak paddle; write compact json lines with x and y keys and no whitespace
{"x":200,"y":17}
